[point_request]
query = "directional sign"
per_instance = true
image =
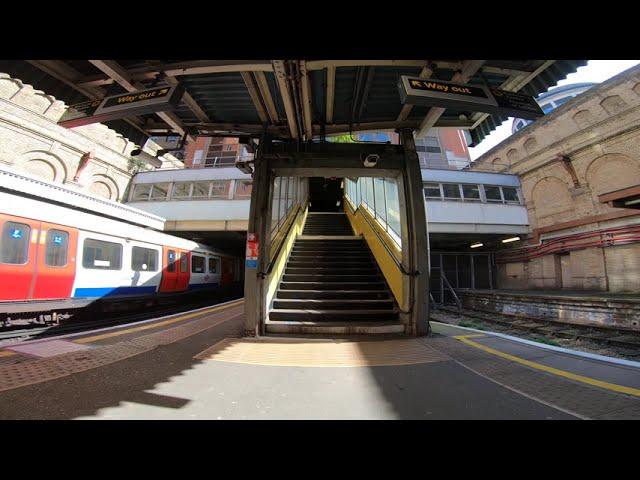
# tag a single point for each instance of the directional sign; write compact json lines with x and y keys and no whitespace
{"x":436,"y":93}
{"x":516,"y":104}
{"x":123,"y":105}
{"x":455,"y":96}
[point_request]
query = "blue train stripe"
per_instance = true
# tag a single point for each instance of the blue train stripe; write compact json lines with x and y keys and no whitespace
{"x":112,"y":291}
{"x":200,"y":286}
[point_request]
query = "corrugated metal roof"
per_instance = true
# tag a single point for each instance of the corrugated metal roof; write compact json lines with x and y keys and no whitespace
{"x":364,"y":93}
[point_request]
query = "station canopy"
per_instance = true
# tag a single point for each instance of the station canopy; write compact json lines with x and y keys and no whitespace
{"x":298,"y":99}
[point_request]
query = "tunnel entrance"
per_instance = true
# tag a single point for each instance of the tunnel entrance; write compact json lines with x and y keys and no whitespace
{"x":325,"y":194}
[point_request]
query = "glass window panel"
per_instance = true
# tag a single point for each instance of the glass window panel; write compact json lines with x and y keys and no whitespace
{"x":393,"y":205}
{"x":432,"y":190}
{"x":15,"y":243}
{"x":369,"y":187}
{"x":57,"y":242}
{"x":275,"y":202}
{"x":290,"y":194}
{"x":197,"y":264}
{"x":220,"y":188}
{"x":200,"y":190}
{"x":471,"y":192}
{"x":481,"y":271}
{"x":213,"y":265}
{"x":171,"y":260}
{"x":141,"y":191}
{"x":243,"y":189}
{"x":159,"y":191}
{"x":510,"y":194}
{"x":144,"y":259}
{"x":378,"y":188}
{"x":97,"y":254}
{"x":451,"y":190}
{"x":492,"y":193}
{"x":283,"y":198}
{"x":184,"y":262}
{"x":181,"y":190}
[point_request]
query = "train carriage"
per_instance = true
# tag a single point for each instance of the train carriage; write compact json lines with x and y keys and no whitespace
{"x":51,"y":253}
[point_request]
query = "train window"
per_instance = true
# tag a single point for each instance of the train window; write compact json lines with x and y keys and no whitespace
{"x":101,"y":255}
{"x":213,"y":265}
{"x":14,"y":243}
{"x":197,"y":264}
{"x":144,"y":259}
{"x":184,"y":262}
{"x":56,"y":252}
{"x":141,"y":192}
{"x":171,"y":261}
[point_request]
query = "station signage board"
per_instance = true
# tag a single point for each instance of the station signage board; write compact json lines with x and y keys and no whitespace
{"x":455,"y":96}
{"x":123,"y":105}
{"x":251,"y":255}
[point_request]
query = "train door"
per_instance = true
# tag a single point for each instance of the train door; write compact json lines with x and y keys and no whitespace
{"x":169,"y":269}
{"x":18,"y":246}
{"x":227,"y":271}
{"x":56,"y":261}
{"x":182,"y":282}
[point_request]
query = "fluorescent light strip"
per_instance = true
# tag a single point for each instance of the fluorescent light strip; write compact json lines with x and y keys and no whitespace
{"x":476,"y":245}
{"x":512,"y":239}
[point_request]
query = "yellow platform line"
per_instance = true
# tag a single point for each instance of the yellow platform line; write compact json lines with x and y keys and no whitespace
{"x":181,"y":318}
{"x":555,"y":371}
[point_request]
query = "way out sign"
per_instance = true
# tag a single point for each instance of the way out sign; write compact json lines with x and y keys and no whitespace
{"x":474,"y":98}
{"x":252,"y":250}
{"x":123,"y":105}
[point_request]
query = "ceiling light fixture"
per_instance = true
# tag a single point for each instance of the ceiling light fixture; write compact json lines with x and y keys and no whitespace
{"x":512,"y":239}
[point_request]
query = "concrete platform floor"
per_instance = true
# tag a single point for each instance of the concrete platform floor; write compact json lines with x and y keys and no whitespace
{"x":214,"y":374}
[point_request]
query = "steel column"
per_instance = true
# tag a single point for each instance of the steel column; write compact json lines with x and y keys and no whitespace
{"x":417,"y":225}
{"x":259,"y":216}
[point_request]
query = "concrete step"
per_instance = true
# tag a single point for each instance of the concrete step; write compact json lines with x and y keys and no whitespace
{"x":328,"y":255}
{"x":335,"y":328}
{"x":332,"y":278}
{"x":334,"y":294}
{"x":292,"y":314}
{"x":332,"y":286}
{"x":324,"y":270}
{"x":337,"y":263}
{"x":326,"y":304}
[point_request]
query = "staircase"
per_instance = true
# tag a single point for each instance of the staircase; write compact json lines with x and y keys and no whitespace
{"x":332,"y":284}
{"x":329,"y":224}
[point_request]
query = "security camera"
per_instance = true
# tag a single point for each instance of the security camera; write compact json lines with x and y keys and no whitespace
{"x":371,"y":160}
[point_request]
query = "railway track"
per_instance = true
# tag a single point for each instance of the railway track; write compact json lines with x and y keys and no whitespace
{"x":621,"y":342}
{"x":34,"y":331}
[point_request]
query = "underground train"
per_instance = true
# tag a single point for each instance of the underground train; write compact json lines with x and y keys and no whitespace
{"x":56,"y":258}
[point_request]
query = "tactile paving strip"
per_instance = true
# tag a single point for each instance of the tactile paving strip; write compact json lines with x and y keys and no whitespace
{"x":584,"y":400}
{"x":45,"y":369}
{"x":48,"y":348}
{"x":303,"y":353}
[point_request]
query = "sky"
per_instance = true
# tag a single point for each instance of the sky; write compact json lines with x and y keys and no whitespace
{"x":594,"y":71}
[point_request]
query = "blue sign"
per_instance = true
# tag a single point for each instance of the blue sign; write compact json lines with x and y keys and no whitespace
{"x":57,"y":239}
{"x":171,"y":256}
{"x":252,"y":263}
{"x":16,"y":233}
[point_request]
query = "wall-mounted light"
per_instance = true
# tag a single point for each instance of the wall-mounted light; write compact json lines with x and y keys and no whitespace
{"x":476,"y":245}
{"x":511,"y":239}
